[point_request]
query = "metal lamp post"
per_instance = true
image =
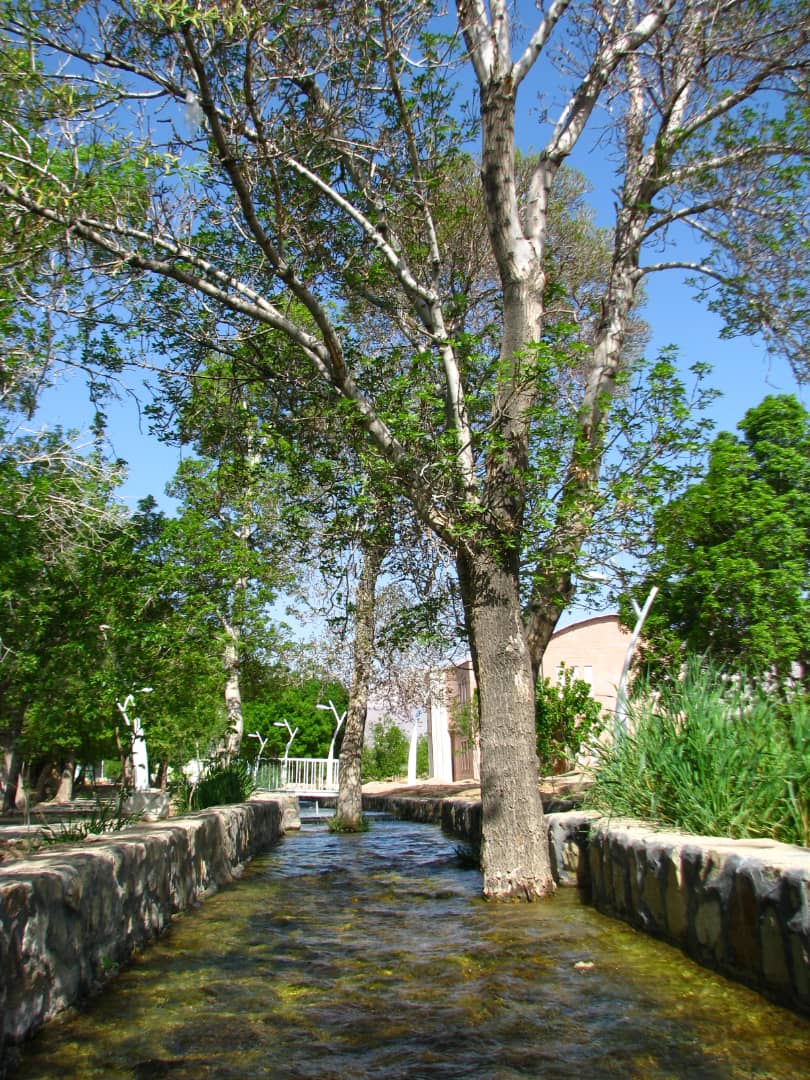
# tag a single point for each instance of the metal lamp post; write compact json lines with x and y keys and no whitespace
{"x":621,"y":694}
{"x":140,"y":758}
{"x":262,"y":743}
{"x":292,"y":734}
{"x":641,"y":613}
{"x":330,"y":760}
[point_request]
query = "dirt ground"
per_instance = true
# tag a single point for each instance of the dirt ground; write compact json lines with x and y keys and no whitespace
{"x":564,"y":786}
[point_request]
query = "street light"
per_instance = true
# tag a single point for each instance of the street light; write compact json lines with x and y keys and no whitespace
{"x":292,"y":734}
{"x":262,"y":743}
{"x":641,"y":614}
{"x":338,"y":722}
{"x":140,"y":758}
{"x":284,"y":764}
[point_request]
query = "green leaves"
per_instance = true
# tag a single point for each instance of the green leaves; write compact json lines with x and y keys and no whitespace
{"x":713,"y":755}
{"x":567,"y":719}
{"x":732,"y":559}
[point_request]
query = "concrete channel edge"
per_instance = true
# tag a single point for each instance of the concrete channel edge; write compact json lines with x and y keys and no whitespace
{"x":740,"y":907}
{"x":69,"y":918}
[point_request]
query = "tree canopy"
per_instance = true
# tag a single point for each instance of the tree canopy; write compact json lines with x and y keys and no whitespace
{"x":732,"y":553}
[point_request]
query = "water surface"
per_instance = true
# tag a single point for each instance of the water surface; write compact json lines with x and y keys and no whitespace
{"x":373,"y":956}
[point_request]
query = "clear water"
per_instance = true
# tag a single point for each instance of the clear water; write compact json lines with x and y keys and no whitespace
{"x":373,"y":956}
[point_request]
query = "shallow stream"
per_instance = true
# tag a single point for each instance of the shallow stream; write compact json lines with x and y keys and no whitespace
{"x":373,"y":956}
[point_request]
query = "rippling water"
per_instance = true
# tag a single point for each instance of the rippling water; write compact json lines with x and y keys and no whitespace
{"x":373,"y":956}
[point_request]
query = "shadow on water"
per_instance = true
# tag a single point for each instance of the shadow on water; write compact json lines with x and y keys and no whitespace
{"x":373,"y":956}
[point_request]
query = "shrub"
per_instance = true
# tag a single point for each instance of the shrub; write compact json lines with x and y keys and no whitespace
{"x":106,"y":817}
{"x":336,"y":825}
{"x":713,"y":755}
{"x":221,"y":784}
{"x":566,"y":719}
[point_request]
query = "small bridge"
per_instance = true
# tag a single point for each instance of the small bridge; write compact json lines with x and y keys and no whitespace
{"x":310,"y":777}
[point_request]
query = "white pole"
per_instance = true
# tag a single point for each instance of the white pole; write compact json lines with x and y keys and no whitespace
{"x":140,"y":758}
{"x":621,"y":695}
{"x":330,"y":760}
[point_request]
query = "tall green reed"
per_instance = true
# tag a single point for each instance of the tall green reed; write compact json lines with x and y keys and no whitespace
{"x":714,"y":755}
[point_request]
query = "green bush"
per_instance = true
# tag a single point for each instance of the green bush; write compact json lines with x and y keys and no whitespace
{"x":566,"y":719}
{"x":387,"y":756}
{"x":713,"y":755}
{"x":106,"y":817}
{"x":422,"y":757}
{"x":220,"y":785}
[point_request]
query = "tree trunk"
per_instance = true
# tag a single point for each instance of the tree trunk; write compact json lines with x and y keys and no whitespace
{"x":514,"y":847}
{"x":125,"y":758}
{"x":13,"y":771}
{"x":162,"y":778}
{"x":233,"y":696}
{"x":349,"y":811}
{"x":64,"y":793}
{"x":47,"y":782}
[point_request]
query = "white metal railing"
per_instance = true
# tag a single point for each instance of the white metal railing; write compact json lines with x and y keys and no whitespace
{"x":299,"y":774}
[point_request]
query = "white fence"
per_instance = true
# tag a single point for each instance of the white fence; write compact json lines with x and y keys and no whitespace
{"x":301,"y":775}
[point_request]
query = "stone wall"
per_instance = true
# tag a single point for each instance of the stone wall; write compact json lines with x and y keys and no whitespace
{"x":70,"y":917}
{"x":741,"y":907}
{"x":458,"y":817}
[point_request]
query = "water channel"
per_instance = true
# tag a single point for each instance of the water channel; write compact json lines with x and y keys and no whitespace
{"x":373,"y":956}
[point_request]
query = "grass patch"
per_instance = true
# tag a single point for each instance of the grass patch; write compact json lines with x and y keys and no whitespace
{"x":105,"y":818}
{"x":338,"y":825}
{"x":220,"y":785}
{"x":712,"y":755}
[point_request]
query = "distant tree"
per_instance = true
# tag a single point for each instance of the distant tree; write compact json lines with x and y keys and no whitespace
{"x":386,"y":757}
{"x":732,"y":557}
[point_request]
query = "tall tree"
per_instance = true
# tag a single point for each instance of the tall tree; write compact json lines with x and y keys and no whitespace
{"x":57,"y":514}
{"x":732,"y":558}
{"x":323,"y":138}
{"x":228,"y":543}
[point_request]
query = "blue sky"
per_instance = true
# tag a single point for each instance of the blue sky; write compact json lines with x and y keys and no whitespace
{"x":742,"y":370}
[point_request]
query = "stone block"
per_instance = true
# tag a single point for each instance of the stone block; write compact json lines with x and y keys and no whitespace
{"x":151,"y":805}
{"x":67,"y":919}
{"x":743,"y":923}
{"x":773,"y":956}
{"x":652,"y":895}
{"x":709,"y":926}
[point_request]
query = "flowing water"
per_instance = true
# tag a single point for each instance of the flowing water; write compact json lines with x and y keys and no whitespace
{"x":373,"y":956}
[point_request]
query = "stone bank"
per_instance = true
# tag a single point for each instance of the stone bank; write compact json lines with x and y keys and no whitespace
{"x":741,"y":907}
{"x":71,"y":916}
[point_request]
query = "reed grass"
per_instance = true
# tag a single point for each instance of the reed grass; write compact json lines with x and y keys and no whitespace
{"x":220,"y":785}
{"x":713,"y":755}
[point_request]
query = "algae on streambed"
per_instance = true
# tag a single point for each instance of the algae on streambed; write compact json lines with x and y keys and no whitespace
{"x":373,"y":956}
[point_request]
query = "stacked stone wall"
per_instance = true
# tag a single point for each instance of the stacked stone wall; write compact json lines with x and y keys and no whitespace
{"x":69,"y":918}
{"x":741,"y":907}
